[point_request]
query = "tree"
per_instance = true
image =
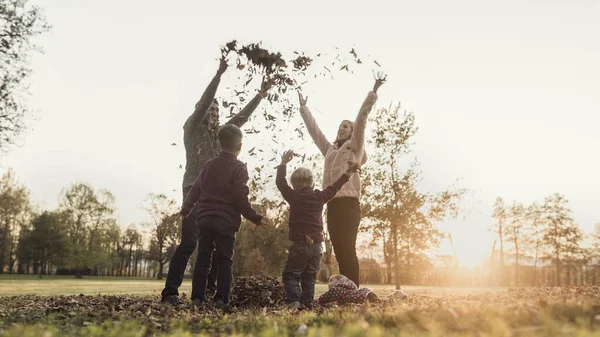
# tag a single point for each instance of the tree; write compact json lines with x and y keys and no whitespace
{"x":14,"y":215}
{"x":534,"y":217}
{"x":514,"y":233}
{"x":402,"y":216}
{"x":561,"y":235}
{"x":47,"y":242}
{"x":89,"y":215}
{"x":254,"y":262}
{"x":131,"y":238}
{"x":594,"y":254}
{"x":165,"y":230}
{"x":373,"y":271}
{"x":270,"y":241}
{"x":19,"y":24}
{"x":500,"y":214}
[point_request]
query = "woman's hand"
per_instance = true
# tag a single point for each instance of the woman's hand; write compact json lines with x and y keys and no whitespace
{"x":380,"y":78}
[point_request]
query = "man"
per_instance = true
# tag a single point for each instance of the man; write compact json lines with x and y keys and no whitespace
{"x":200,"y":140}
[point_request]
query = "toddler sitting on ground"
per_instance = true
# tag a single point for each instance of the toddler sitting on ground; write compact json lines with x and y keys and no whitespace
{"x":343,"y":291}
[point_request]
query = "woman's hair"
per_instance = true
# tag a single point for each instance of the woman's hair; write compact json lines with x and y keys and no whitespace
{"x":340,"y":142}
{"x":302,"y":177}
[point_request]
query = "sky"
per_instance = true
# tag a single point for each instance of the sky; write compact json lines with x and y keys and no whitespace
{"x":505,"y":93}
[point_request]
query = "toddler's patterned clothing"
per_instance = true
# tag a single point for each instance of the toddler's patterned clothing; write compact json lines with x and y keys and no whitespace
{"x":345,"y":292}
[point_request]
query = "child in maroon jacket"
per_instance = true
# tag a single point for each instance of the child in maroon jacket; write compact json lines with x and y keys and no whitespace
{"x":306,"y":230}
{"x":220,"y":199}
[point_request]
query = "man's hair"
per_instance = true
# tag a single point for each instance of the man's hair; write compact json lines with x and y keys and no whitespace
{"x":230,"y":138}
{"x":302,"y":177}
{"x":215,"y":101}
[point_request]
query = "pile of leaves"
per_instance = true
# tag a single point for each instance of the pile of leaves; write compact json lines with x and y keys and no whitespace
{"x":257,"y":292}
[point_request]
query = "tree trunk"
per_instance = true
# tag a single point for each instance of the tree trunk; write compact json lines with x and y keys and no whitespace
{"x":409,"y":274}
{"x":517,"y":262}
{"x":42,"y":263}
{"x":12,"y":257}
{"x":160,"y":270}
{"x":500,"y":234}
{"x":535,"y":262}
{"x":396,"y":260}
{"x":557,"y":276}
{"x":3,"y":239}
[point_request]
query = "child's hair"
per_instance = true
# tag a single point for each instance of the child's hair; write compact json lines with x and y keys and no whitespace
{"x":335,"y":278}
{"x":302,"y":177}
{"x":230,"y":138}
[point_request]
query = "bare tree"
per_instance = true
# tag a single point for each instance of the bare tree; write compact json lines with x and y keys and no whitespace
{"x":19,"y":24}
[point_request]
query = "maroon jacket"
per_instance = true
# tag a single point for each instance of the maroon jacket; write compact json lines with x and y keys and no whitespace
{"x":306,"y":207}
{"x":221,"y":189}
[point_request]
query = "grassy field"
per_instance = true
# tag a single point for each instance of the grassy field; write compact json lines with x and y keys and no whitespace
{"x":429,"y":311}
{"x":13,"y":285}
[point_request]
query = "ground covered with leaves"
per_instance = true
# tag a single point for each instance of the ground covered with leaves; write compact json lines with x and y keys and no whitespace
{"x":260,"y":312}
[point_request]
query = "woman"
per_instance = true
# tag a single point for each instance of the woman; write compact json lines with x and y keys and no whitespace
{"x":343,"y":212}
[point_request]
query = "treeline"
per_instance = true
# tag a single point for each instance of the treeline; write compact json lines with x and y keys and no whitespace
{"x":540,"y":244}
{"x":82,"y":236}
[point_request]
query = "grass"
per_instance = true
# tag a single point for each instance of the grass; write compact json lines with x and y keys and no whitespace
{"x":430,"y":311}
{"x":13,"y":285}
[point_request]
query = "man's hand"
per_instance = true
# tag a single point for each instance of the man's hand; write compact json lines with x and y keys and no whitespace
{"x":380,"y":78}
{"x":352,"y":168}
{"x":222,"y":65}
{"x":265,"y":86}
{"x":287,"y":156}
{"x":302,"y":99}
